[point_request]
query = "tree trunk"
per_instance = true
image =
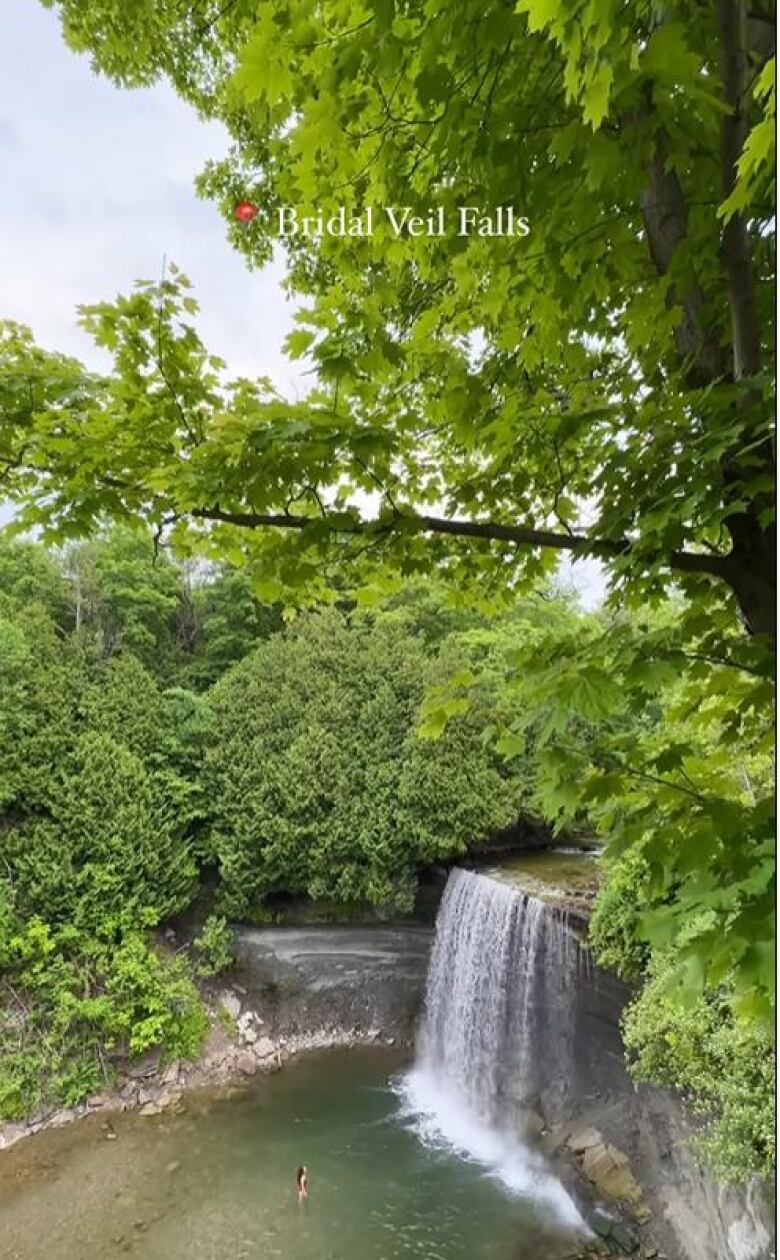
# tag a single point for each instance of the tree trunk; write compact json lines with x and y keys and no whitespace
{"x":750,"y":571}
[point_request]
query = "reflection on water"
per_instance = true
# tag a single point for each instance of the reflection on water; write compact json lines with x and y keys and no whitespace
{"x":218,"y":1182}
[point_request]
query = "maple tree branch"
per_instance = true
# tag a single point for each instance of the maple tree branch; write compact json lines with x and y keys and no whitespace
{"x":486,"y":531}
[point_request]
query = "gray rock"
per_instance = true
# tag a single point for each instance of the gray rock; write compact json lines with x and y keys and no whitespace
{"x":246,"y":1064}
{"x":167,"y":1097}
{"x":11,"y":1133}
{"x":231,"y":1002}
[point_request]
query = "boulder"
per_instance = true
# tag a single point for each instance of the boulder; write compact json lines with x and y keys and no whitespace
{"x":585,"y":1138}
{"x":167,"y":1097}
{"x":63,"y":1116}
{"x":265,"y":1048}
{"x":106,"y":1098}
{"x":609,"y":1170}
{"x":11,"y":1133}
{"x":171,"y":1075}
{"x":231,"y":1002}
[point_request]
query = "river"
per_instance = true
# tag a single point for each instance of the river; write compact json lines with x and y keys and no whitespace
{"x":216,"y":1181}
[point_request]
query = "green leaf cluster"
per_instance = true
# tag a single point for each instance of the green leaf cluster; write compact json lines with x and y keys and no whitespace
{"x":318,"y":782}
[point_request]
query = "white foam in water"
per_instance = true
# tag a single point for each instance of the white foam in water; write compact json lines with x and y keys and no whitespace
{"x":498,"y":1012}
{"x":443,"y":1121}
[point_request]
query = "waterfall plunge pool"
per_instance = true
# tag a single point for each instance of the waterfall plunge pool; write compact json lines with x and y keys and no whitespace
{"x":217,"y":1182}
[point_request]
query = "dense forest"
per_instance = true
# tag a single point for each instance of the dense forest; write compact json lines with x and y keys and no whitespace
{"x":164,"y":731}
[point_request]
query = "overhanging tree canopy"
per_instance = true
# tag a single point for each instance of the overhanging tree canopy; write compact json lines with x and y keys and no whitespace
{"x":599,"y":386}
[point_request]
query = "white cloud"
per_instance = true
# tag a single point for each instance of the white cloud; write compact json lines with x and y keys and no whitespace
{"x":98,"y":186}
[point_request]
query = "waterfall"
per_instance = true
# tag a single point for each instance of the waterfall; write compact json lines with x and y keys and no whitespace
{"x":497,"y":1031}
{"x":498,"y":1019}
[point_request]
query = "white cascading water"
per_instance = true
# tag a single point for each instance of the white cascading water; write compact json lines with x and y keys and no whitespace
{"x":497,"y":1029}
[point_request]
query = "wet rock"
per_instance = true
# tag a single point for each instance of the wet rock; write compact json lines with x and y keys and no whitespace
{"x":150,"y":1109}
{"x":265,"y":1048}
{"x":616,"y":1234}
{"x":600,"y":1223}
{"x":624,"y":1238}
{"x":174,"y":1166}
{"x":246,"y":1064}
{"x":532,"y":1124}
{"x":552,"y":1140}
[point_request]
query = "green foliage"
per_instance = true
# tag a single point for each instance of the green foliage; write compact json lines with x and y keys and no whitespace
{"x":615,"y":926}
{"x":213,"y":947}
{"x":124,"y":597}
{"x":70,"y":1002}
{"x":94,"y":849}
{"x":724,"y":1067}
{"x":318,"y":782}
{"x":601,"y":385}
{"x":227,"y":620}
{"x":111,"y":849}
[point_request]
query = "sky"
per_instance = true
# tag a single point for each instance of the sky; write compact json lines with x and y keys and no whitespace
{"x":97,"y":188}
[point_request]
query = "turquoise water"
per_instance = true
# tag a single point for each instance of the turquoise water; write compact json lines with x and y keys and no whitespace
{"x":218,"y":1181}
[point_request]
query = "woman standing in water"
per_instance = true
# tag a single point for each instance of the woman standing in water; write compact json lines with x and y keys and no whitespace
{"x":302,"y":1182}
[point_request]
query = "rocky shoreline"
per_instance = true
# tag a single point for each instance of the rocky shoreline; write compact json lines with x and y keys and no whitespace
{"x":236,"y":1048}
